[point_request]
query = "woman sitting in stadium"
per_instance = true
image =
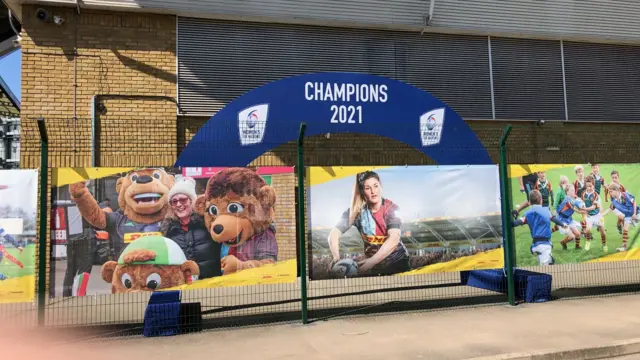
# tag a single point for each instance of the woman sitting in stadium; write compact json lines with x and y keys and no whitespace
{"x":379,"y":226}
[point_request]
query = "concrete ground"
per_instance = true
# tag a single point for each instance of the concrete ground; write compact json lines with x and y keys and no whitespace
{"x":449,"y":334}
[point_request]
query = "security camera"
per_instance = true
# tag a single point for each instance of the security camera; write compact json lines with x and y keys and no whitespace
{"x":540,"y":122}
{"x":100,"y":108}
{"x":42,"y":14}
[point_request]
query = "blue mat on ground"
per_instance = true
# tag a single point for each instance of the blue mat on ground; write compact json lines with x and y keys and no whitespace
{"x":532,"y":286}
{"x":529,"y":286}
{"x":162,"y":315}
{"x":493,"y":280}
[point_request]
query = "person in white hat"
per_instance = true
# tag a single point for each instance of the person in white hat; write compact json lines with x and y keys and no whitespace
{"x":184,"y":226}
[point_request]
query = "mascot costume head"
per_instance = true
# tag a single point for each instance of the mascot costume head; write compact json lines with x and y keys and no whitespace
{"x":142,"y":198}
{"x":150,"y":263}
{"x":238,"y":208}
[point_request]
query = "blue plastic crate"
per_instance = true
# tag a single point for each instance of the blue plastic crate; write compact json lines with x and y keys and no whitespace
{"x":532,"y":286}
{"x":162,"y":315}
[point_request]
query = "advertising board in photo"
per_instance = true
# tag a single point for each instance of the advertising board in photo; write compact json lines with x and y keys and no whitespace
{"x":155,"y":229}
{"x":403,"y":220}
{"x":18,"y":204}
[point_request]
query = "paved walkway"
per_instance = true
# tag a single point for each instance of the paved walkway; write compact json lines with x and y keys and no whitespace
{"x":448,"y":334}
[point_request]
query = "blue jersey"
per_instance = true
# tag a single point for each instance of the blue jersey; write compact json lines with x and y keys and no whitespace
{"x":539,"y":220}
{"x":4,"y":236}
{"x":565,"y":210}
{"x":625,"y":204}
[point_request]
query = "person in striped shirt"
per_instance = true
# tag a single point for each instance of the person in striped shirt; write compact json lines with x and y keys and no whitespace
{"x":594,"y":214}
{"x":580,"y":187}
{"x":543,"y":185}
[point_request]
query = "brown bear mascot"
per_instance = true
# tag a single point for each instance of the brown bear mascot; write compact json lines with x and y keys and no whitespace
{"x":238,"y":208}
{"x":142,"y":197}
{"x":150,"y":263}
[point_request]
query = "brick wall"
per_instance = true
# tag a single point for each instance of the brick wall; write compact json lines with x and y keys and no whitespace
{"x":528,"y":143}
{"x":284,"y":185}
{"x":118,"y":54}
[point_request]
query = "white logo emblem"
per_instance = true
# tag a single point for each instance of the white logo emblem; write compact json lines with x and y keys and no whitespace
{"x":252,"y":122}
{"x":431,"y":127}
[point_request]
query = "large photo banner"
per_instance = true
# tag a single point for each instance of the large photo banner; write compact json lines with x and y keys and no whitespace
{"x":575,"y":213}
{"x":18,"y":204}
{"x":403,"y":220}
{"x":119,"y":230}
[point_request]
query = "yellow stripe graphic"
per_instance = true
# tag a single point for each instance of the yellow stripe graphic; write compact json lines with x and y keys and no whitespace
{"x":524,"y":169}
{"x":66,"y":176}
{"x":322,"y":174}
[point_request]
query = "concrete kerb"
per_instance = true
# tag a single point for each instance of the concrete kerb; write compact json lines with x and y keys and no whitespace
{"x":618,"y":348}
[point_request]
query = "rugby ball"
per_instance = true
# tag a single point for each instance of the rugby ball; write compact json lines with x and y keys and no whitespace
{"x":579,"y":203}
{"x":345,"y":268}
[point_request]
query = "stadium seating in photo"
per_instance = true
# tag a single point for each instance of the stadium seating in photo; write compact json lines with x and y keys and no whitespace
{"x":429,"y":241}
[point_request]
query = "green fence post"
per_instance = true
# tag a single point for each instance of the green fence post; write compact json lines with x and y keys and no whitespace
{"x":42,"y":238}
{"x":302,"y":256}
{"x":507,"y":227}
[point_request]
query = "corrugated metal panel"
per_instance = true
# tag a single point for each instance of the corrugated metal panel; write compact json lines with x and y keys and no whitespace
{"x":612,"y":19}
{"x":527,"y":79}
{"x":597,"y":19}
{"x":407,"y":12}
{"x":603,"y":82}
{"x":219,"y":61}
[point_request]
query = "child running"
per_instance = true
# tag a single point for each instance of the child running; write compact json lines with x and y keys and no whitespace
{"x":564,"y":182}
{"x":539,"y":220}
{"x":599,"y":179}
{"x":615,"y":179}
{"x":580,"y":188}
{"x":565,"y":213}
{"x":623,"y":204}
{"x":594,"y":215}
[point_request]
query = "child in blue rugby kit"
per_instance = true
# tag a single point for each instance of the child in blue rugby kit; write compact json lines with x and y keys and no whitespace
{"x":624,"y":206}
{"x":565,"y":211}
{"x":6,"y":237}
{"x":539,"y":219}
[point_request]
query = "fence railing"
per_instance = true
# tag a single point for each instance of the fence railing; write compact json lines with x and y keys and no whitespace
{"x":529,"y":147}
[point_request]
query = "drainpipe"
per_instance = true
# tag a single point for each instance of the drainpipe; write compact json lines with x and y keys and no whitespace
{"x":95,"y":101}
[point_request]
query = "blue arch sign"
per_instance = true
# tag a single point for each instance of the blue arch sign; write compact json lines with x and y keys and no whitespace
{"x":270,"y":115}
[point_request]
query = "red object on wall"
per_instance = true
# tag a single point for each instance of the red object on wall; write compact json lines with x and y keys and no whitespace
{"x":206,"y":172}
{"x":59,"y":225}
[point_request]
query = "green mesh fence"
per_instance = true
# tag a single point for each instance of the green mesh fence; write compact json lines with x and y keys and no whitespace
{"x":70,"y":145}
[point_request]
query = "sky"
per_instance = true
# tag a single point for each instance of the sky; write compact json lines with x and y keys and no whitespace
{"x":23,"y":189}
{"x":10,"y":71}
{"x":419,"y":191}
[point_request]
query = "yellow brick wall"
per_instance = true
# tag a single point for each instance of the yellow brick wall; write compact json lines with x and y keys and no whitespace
{"x":118,"y":54}
{"x":285,"y":218}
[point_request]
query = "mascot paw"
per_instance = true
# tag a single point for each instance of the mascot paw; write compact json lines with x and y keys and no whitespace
{"x":230,"y":264}
{"x":77,"y":189}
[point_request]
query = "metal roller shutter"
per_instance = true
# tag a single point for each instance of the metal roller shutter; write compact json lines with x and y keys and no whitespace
{"x":527,"y":79}
{"x":602,"y":81}
{"x":221,"y":60}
